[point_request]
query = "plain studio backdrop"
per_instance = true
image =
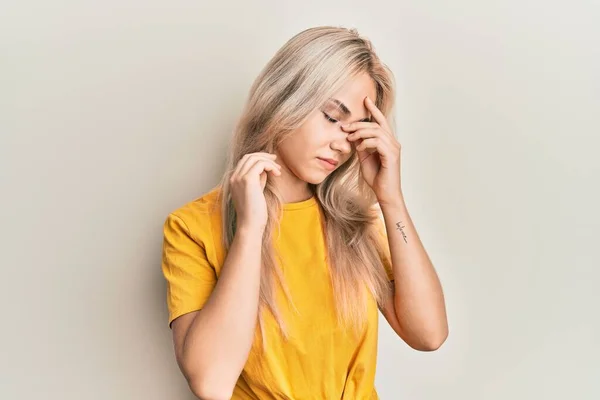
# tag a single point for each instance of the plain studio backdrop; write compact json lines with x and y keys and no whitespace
{"x":113,"y":114}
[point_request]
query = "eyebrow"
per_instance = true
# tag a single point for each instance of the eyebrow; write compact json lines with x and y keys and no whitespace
{"x":345,"y":111}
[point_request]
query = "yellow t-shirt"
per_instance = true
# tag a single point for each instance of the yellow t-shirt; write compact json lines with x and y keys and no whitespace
{"x":320,"y":360}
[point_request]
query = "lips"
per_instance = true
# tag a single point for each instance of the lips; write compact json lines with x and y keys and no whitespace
{"x":330,"y":161}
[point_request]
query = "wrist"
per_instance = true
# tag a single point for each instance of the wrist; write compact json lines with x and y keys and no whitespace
{"x":250,"y":230}
{"x":395,"y":203}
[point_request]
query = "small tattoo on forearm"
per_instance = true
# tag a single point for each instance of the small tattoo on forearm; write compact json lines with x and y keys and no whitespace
{"x":400,"y":228}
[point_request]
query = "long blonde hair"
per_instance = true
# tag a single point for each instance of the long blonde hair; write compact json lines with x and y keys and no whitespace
{"x":310,"y":68}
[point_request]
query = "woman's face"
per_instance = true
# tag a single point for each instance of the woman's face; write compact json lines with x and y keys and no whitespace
{"x":321,"y":137}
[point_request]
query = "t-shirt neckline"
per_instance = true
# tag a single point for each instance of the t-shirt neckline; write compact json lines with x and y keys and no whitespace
{"x":311,"y":201}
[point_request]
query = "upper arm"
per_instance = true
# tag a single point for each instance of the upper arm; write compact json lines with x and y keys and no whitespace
{"x":180,"y":327}
{"x":190,"y":276}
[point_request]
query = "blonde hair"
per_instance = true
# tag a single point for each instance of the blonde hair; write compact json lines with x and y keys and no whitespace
{"x":310,"y":68}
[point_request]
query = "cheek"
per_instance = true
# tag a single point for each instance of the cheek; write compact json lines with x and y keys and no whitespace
{"x":304,"y":143}
{"x":292,"y":154}
{"x":299,"y":151}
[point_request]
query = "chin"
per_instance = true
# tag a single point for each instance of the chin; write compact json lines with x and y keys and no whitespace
{"x":315,"y":180}
{"x":315,"y":177}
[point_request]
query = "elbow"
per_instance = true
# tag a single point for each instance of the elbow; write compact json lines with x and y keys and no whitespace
{"x":430,"y":346}
{"x":205,"y":390}
{"x":208,"y":382}
{"x":431,"y":343}
{"x":211,"y":384}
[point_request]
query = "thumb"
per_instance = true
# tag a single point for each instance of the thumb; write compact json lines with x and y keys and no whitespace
{"x":263,"y":180}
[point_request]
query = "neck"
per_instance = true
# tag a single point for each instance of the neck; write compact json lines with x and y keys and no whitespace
{"x":292,"y":188}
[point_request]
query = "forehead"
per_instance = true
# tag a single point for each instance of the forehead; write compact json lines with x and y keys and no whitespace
{"x":357,"y":88}
{"x":349,"y":100}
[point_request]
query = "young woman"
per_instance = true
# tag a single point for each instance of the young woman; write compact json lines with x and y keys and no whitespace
{"x":275,"y":276}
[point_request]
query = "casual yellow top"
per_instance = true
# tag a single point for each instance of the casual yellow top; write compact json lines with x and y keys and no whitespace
{"x":320,"y":360}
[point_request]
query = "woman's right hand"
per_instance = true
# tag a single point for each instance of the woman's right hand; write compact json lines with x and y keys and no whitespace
{"x":247,"y":184}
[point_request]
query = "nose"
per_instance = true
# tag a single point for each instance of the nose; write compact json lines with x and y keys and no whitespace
{"x":340,"y":142}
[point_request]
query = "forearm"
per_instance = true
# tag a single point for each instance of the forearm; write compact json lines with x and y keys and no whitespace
{"x":418,"y":299}
{"x":219,"y":339}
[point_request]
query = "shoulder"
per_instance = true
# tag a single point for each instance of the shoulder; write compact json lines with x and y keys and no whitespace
{"x":205,"y":204}
{"x":200,"y":215}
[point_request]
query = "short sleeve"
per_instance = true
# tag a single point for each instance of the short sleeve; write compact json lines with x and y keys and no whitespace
{"x":190,"y":276}
{"x":384,"y":248}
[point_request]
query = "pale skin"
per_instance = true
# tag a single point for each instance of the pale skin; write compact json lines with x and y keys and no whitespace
{"x":416,"y":309}
{"x":212,"y":345}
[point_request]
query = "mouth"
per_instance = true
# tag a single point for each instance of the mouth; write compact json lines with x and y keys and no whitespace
{"x":328,"y":163}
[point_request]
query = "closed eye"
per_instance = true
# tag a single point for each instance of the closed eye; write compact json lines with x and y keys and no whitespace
{"x":328,"y":118}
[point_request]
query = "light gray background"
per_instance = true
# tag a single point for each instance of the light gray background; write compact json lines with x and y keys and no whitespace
{"x":114,"y":113}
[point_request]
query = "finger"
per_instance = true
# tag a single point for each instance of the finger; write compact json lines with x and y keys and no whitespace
{"x":254,"y":161}
{"x":383,"y":139}
{"x":250,"y":158}
{"x":263,"y":164}
{"x":354,"y":126}
{"x":364,"y":134}
{"x":371,"y":143}
{"x":240,"y":165}
{"x":376,"y":113}
{"x":379,"y":146}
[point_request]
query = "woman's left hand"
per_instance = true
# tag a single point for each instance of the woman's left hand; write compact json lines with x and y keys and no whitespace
{"x":378,"y":153}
